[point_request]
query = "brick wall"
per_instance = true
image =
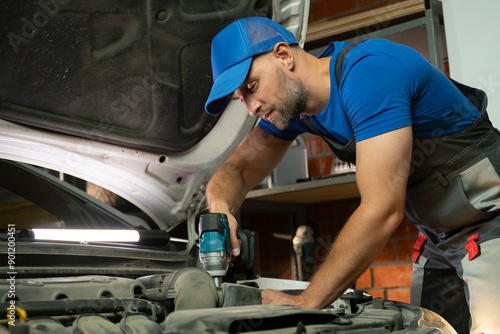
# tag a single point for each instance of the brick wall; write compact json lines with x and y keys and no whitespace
{"x":390,"y":275}
{"x":275,"y":252}
{"x":319,"y":155}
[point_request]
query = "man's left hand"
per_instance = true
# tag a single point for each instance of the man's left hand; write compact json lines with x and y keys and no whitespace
{"x":273,"y":297}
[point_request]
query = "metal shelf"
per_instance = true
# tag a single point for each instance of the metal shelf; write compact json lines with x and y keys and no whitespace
{"x":382,"y":22}
{"x":324,"y":31}
{"x":322,"y":190}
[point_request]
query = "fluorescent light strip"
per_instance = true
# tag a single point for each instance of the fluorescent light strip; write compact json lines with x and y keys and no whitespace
{"x":87,"y":235}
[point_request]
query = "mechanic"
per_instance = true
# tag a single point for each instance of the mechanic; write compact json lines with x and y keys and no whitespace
{"x":420,"y":146}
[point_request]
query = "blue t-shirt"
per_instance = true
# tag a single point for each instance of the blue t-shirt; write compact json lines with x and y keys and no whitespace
{"x":385,"y":86}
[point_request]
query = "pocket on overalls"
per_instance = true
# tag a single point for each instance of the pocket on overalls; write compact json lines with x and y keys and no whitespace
{"x":472,"y":196}
{"x":481,"y":186}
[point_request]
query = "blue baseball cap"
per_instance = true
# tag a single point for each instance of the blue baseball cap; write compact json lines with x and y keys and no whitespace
{"x":232,"y":52}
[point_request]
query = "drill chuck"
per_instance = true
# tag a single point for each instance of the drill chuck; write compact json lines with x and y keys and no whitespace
{"x":215,"y":263}
{"x":215,"y":254}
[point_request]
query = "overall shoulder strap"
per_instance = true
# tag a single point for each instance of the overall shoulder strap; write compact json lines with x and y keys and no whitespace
{"x":338,"y":72}
{"x":340,"y":60}
{"x":343,"y":152}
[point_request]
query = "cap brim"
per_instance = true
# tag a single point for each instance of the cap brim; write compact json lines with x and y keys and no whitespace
{"x":225,"y":84}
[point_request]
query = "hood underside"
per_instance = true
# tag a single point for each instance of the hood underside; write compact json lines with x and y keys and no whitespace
{"x":134,"y":73}
{"x":113,"y":92}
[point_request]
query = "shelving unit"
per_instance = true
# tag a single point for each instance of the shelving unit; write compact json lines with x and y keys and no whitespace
{"x":322,"y":190}
{"x":382,"y":22}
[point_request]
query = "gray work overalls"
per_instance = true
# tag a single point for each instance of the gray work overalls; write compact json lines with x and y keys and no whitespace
{"x":453,"y":198}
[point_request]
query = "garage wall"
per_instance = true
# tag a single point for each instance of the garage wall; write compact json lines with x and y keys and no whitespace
{"x":390,"y":275}
{"x":473,"y":49}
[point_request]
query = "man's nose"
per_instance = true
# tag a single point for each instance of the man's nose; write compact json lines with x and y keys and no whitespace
{"x":252,"y":106}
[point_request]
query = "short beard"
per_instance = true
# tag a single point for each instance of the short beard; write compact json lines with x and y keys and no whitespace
{"x":293,"y":99}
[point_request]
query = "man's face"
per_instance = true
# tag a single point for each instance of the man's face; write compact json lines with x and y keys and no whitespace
{"x":272,"y":95}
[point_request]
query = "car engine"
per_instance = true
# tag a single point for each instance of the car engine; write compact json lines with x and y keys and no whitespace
{"x":187,"y":301}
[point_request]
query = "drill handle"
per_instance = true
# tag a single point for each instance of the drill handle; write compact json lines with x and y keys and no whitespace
{"x":246,"y":263}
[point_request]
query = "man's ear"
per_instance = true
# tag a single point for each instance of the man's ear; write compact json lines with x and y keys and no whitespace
{"x":283,"y":53}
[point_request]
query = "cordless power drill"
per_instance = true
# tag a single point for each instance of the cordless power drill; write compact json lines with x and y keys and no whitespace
{"x":215,"y":248}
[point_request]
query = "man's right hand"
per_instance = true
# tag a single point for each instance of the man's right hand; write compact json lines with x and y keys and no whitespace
{"x":254,"y":159}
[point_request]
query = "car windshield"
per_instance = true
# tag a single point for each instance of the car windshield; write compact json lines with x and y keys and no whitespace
{"x":30,"y":197}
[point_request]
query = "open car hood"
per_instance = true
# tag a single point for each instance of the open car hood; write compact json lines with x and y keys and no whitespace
{"x":113,"y":92}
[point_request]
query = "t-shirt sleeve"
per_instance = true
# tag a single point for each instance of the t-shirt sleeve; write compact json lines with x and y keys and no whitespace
{"x":376,"y":94}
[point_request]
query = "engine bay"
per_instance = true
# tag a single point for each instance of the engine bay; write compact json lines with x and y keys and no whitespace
{"x":187,"y":301}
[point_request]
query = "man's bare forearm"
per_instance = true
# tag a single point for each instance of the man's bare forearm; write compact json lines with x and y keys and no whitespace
{"x":381,"y":175}
{"x":252,"y":162}
{"x":226,"y":190}
{"x":382,"y":172}
{"x":359,"y":243}
{"x":248,"y":165}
